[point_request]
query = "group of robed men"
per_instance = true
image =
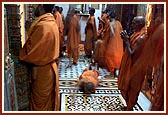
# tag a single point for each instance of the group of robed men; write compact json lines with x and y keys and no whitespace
{"x":42,"y":48}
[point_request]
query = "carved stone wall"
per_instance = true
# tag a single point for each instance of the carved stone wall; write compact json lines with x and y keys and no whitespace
{"x":20,"y":70}
{"x":10,"y":96}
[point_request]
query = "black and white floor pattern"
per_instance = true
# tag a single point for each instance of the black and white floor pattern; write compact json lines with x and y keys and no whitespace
{"x":93,"y":102}
{"x":102,"y":83}
{"x":106,"y":98}
{"x":76,"y":70}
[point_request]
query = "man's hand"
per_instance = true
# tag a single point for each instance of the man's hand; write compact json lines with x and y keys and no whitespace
{"x":124,"y":36}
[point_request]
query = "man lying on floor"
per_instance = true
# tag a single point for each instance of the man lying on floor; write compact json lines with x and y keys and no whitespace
{"x":88,"y":81}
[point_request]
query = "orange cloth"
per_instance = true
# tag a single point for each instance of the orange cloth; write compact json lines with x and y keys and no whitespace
{"x":154,"y":48}
{"x":59,"y":21}
{"x":73,"y":38}
{"x":91,"y":35}
{"x":151,"y":54}
{"x":99,"y":53}
{"x":130,"y":85}
{"x":158,"y":98}
{"x":114,"y":44}
{"x":156,"y":57}
{"x":100,"y":45}
{"x":90,"y":76}
{"x":42,"y":49}
{"x":100,"y":29}
{"x":127,"y":61}
{"x":151,"y":58}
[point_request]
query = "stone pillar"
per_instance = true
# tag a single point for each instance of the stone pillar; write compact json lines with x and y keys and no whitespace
{"x":10,"y":96}
{"x":20,"y":70}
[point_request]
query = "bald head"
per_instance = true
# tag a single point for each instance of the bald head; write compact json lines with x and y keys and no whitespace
{"x":138,"y":23}
{"x":43,"y":8}
{"x":89,"y":87}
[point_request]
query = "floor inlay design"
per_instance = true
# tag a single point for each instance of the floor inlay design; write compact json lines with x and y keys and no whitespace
{"x":102,"y":83}
{"x":93,"y":102}
{"x":107,"y":97}
{"x":98,"y":91}
{"x":76,"y":70}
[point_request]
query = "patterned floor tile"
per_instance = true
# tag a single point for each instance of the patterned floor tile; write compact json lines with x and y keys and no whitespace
{"x":107,"y":97}
{"x":93,"y":102}
{"x":101,"y":83}
{"x":76,"y":70}
{"x":98,"y":91}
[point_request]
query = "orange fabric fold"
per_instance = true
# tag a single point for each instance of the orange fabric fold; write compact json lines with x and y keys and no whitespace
{"x":91,"y":35}
{"x":114,"y":49}
{"x":90,"y":76}
{"x":73,"y":38}
{"x":42,"y":49}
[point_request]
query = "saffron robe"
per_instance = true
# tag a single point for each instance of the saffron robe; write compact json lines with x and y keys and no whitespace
{"x":158,"y":98}
{"x":73,"y":38}
{"x":101,"y":45}
{"x":114,"y":51}
{"x":59,"y":21}
{"x":90,"y":35}
{"x":129,"y":89}
{"x":41,"y":49}
{"x":100,"y":29}
{"x":151,"y":57}
{"x":90,"y":76}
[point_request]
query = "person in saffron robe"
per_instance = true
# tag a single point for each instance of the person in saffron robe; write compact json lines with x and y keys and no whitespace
{"x":100,"y":28}
{"x":41,"y":50}
{"x":88,"y":81}
{"x":102,"y":23}
{"x":114,"y":43}
{"x":134,"y":46}
{"x":152,"y":59}
{"x":59,"y":21}
{"x":73,"y":38}
{"x":100,"y":45}
{"x":157,"y":55}
{"x":91,"y":34}
{"x":60,"y":11}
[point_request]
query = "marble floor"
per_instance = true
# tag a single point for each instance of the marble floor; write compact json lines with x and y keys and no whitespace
{"x":106,"y":98}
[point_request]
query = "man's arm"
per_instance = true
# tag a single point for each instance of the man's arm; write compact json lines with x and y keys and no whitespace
{"x":126,"y":38}
{"x":136,"y":45}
